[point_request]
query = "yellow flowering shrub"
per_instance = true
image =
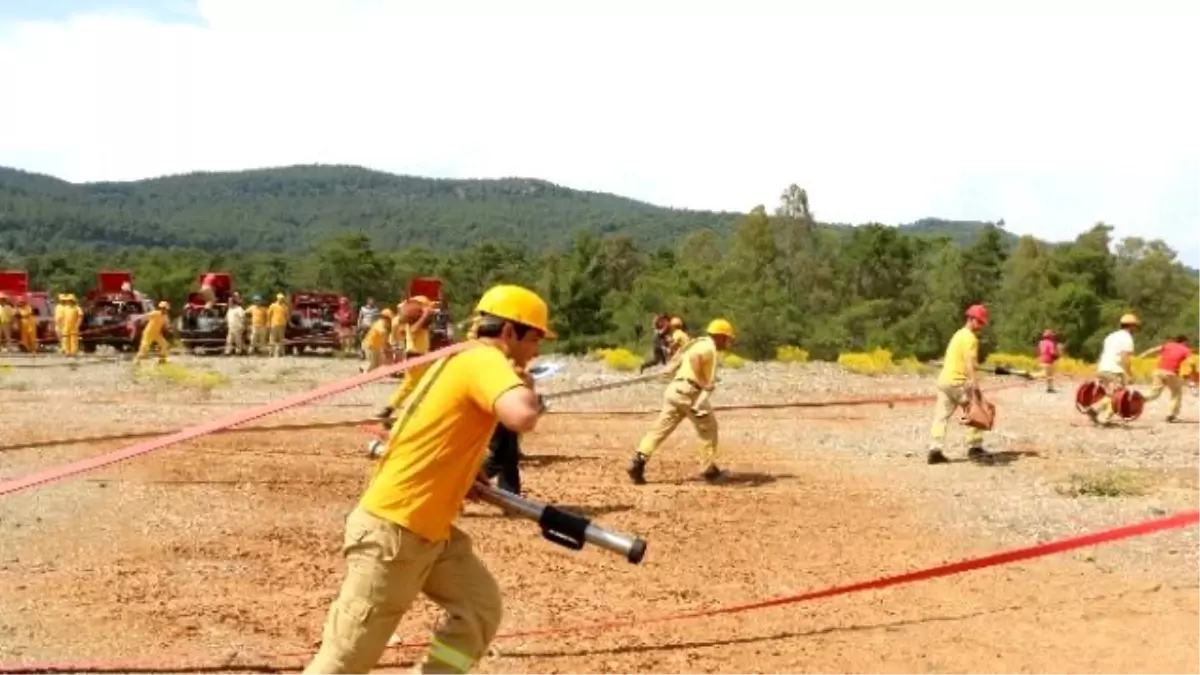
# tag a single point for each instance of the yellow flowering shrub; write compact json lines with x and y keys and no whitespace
{"x":874,"y":362}
{"x":791,"y":354}
{"x":619,"y":359}
{"x":731,"y":360}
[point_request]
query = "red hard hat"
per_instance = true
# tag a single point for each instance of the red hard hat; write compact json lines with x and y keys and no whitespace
{"x":978,"y":312}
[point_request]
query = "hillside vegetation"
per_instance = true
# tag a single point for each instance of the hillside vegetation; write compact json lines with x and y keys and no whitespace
{"x":606,"y":263}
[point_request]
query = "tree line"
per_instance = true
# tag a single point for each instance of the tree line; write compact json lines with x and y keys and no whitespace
{"x":779,"y":276}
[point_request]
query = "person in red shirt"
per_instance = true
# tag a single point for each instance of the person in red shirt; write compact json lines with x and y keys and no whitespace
{"x":1047,"y":355}
{"x":1171,"y":356}
{"x":344,"y":319}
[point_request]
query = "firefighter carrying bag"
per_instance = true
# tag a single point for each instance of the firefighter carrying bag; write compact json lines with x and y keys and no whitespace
{"x":979,"y":412}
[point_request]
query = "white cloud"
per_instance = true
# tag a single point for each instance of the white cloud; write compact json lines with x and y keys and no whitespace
{"x":1051,"y":123}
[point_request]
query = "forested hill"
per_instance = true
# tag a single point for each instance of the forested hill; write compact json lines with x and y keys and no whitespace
{"x":289,"y":209}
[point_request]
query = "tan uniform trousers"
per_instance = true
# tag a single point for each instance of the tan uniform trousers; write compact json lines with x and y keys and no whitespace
{"x":6,"y":334}
{"x":235,"y":339}
{"x":680,"y":401}
{"x":374,"y":358}
{"x":258,"y":338}
{"x":70,"y":342}
{"x":1172,"y":382}
{"x":275,"y":335}
{"x":950,"y":398}
{"x":387,"y":567}
{"x":1111,"y":382}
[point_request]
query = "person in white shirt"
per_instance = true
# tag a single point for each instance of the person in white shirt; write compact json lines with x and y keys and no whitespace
{"x":235,"y":328}
{"x":1114,"y":369}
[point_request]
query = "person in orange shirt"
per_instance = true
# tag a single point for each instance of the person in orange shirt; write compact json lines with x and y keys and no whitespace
{"x":400,"y":539}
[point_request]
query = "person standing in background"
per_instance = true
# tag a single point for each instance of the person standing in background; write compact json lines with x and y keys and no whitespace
{"x":235,"y":333}
{"x":277,"y":320}
{"x":1047,"y":355}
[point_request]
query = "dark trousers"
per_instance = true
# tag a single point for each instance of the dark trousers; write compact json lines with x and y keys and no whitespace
{"x":503,"y":460}
{"x":660,"y":356}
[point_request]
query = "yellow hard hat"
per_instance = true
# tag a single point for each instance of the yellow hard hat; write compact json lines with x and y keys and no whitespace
{"x":676,"y":322}
{"x":62,"y":297}
{"x":279,"y":296}
{"x":517,"y":304}
{"x":721,"y":327}
{"x":386,"y":313}
{"x":1130,"y":319}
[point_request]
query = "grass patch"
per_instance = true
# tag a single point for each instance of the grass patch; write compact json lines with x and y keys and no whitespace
{"x":1111,"y":483}
{"x":176,"y":375}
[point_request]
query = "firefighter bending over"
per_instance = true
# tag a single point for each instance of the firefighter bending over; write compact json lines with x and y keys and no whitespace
{"x":152,"y":333}
{"x":375,"y":341}
{"x":693,"y":371}
{"x":1171,"y":357}
{"x":1115,"y":368}
{"x":400,"y":540}
{"x":959,"y":377}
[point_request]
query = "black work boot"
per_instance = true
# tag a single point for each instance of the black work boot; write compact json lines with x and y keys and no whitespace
{"x":637,"y":469}
{"x":712,"y":474}
{"x":977,"y":454}
{"x":937,"y":457}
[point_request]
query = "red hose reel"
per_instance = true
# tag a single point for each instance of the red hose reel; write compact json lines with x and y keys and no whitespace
{"x":1128,"y":403}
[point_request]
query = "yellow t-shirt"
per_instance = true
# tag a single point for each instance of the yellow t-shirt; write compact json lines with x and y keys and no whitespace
{"x":376,"y":337}
{"x":963,"y":348}
{"x":707,"y":350}
{"x":258,"y":316}
{"x":154,"y":323}
{"x":6,"y":314}
{"x":433,"y":459}
{"x":72,"y":316}
{"x":416,"y":341}
{"x":277,"y":314}
{"x":679,"y":339}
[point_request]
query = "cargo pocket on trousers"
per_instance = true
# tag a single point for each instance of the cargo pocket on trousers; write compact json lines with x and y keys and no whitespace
{"x":350,"y":622}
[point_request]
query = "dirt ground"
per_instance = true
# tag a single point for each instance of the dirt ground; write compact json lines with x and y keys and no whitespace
{"x":224,"y":551}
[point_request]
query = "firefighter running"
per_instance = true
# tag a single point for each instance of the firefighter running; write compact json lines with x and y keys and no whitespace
{"x":1171,"y":357}
{"x":958,"y":378}
{"x":1114,"y":371}
{"x":375,"y":341}
{"x":152,"y":333}
{"x":400,"y":540}
{"x":416,"y":344}
{"x":693,"y":374}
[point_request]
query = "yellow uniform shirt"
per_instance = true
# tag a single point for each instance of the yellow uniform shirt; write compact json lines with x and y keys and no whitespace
{"x":27,"y":316}
{"x":416,"y":341}
{"x":258,"y":316}
{"x":433,"y":459}
{"x":377,"y":337}
{"x":154,"y":323}
{"x":6,"y":314}
{"x":963,"y":349}
{"x":678,"y":340}
{"x":707,"y":350}
{"x":58,"y":316}
{"x":277,"y":314}
{"x":72,"y":317}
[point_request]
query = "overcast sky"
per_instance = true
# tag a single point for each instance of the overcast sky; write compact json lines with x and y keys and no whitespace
{"x":1049,"y":123}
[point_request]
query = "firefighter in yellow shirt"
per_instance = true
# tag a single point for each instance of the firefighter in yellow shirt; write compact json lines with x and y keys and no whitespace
{"x":27,"y":326}
{"x":694,"y":372}
{"x":400,"y":540}
{"x":152,"y":333}
{"x":258,"y":325}
{"x":7,"y":315}
{"x":678,"y":338}
{"x":375,"y":341}
{"x":69,"y":320}
{"x":416,"y":343}
{"x":60,"y":308}
{"x":958,"y":377}
{"x":277,"y":319}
